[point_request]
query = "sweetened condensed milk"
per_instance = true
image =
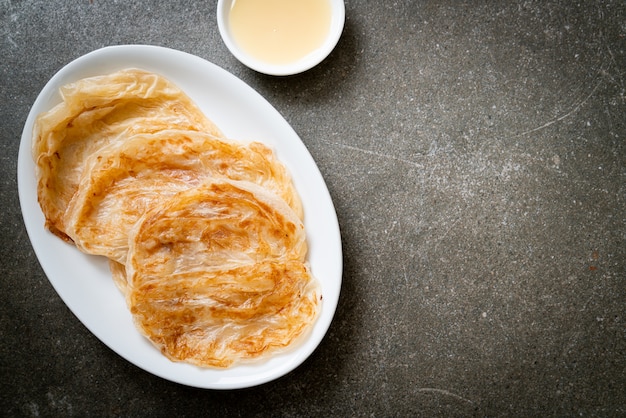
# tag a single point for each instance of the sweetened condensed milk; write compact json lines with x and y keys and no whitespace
{"x":280,"y":31}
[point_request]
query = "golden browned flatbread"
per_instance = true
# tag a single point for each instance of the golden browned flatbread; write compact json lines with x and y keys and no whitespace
{"x":124,"y":180}
{"x":94,"y":113}
{"x":217,"y":275}
{"x":204,"y":235}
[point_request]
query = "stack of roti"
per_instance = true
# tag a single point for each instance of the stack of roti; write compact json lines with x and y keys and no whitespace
{"x":204,"y":234}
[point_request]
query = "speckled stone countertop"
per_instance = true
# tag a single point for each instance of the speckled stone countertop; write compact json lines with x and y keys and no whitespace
{"x":475,"y":153}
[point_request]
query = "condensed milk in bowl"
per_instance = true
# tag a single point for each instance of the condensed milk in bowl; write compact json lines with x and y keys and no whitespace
{"x":280,"y":37}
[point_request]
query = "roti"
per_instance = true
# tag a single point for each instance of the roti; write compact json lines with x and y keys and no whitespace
{"x":94,"y":113}
{"x":204,"y":235}
{"x":124,"y":180}
{"x":217,"y":275}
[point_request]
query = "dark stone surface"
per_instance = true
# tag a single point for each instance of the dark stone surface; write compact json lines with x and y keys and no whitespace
{"x":475,"y":152}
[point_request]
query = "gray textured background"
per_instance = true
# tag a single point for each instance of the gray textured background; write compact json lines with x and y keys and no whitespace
{"x":475,"y":152}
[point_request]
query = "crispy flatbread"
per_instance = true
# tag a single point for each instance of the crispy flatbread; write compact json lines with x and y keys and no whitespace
{"x":217,"y":275}
{"x":204,"y":235}
{"x":94,"y":113}
{"x":124,"y":180}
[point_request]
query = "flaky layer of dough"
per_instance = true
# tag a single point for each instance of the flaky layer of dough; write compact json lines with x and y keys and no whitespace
{"x":94,"y":113}
{"x":124,"y":180}
{"x":222,"y":319}
{"x":216,"y":226}
{"x":217,"y":275}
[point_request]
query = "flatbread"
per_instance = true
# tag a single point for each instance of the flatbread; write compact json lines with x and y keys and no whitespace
{"x":94,"y":113}
{"x":124,"y":180}
{"x":217,"y":275}
{"x":204,"y":235}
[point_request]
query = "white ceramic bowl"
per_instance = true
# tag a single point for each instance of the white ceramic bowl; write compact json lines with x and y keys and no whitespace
{"x":338,"y":15}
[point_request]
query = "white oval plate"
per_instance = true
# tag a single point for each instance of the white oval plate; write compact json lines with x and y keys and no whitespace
{"x":84,"y":282}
